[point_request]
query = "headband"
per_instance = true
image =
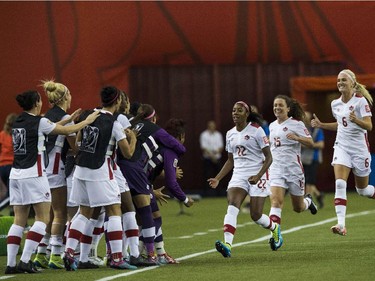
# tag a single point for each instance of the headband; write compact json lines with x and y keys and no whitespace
{"x":348,"y":74}
{"x":115,"y":98}
{"x":244,"y":104}
{"x":151,"y":115}
{"x":65,"y":91}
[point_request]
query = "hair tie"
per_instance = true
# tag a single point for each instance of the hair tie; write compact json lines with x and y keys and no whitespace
{"x":244,"y":104}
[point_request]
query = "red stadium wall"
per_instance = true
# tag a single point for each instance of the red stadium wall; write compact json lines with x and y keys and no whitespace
{"x":87,"y":45}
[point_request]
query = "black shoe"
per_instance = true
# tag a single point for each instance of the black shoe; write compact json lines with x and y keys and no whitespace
{"x":313,"y":208}
{"x":87,"y":265}
{"x":140,"y":261}
{"x":27,"y":267}
{"x":12,"y":270}
{"x":320,"y":199}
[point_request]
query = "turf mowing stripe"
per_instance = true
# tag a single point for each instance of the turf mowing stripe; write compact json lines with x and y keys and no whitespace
{"x":264,"y":238}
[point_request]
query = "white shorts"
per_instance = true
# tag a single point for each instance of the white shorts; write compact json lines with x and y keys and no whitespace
{"x":95,"y":193}
{"x":121,"y":181}
{"x":69,"y":187}
{"x":56,"y":180}
{"x":359,"y":163}
{"x":261,"y":189}
{"x":29,"y":191}
{"x":295,"y":185}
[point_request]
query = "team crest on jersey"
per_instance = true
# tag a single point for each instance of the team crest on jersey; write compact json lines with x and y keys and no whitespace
{"x":19,"y":141}
{"x":266,"y":140}
{"x":175,"y":162}
{"x":90,"y":137}
{"x":351,"y":108}
{"x":285,"y":129}
{"x":247,"y":137}
{"x":367,"y":108}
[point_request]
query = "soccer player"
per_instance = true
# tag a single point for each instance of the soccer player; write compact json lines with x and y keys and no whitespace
{"x":351,"y":149}
{"x":149,"y":137}
{"x":249,"y":157}
{"x":287,"y":133}
{"x":94,"y":184}
{"x":28,"y":179}
{"x":165,"y":161}
{"x":56,"y":147}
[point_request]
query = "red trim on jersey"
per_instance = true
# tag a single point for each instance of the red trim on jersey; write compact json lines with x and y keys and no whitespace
{"x":340,"y":201}
{"x":256,"y":125}
{"x":229,"y":228}
{"x":14,"y":240}
{"x":56,"y":164}
{"x":114,"y":235}
{"x":300,"y":163}
{"x":39,"y":165}
{"x":109,"y":169}
{"x":132,"y":233}
{"x":367,"y":143}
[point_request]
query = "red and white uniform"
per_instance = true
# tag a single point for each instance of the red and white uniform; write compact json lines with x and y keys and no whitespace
{"x":30,"y":186}
{"x":286,"y":169}
{"x":351,"y":147}
{"x":98,"y":187}
{"x":56,"y":168}
{"x":246,"y":147}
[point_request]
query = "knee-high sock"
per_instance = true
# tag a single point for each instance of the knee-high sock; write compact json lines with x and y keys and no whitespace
{"x":97,"y":234}
{"x":340,"y":201}
{"x":148,"y":228}
{"x":230,"y":224}
{"x":368,"y":191}
{"x":131,"y":232}
{"x":15,"y":234}
{"x":275,"y":215}
{"x":75,"y":232}
{"x":86,"y":240}
{"x":33,"y":238}
{"x":266,"y":222}
{"x":114,"y":233}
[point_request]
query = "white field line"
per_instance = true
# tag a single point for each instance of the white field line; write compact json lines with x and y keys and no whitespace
{"x":264,"y":238}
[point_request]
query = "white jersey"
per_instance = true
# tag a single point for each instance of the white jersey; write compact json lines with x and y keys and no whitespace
{"x":105,"y":172}
{"x":246,"y":147}
{"x":55,"y":164}
{"x":286,"y":153}
{"x":350,"y":137}
{"x":45,"y":127}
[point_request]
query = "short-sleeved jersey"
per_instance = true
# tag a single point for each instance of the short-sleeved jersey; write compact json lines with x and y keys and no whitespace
{"x":350,"y":135}
{"x":45,"y":128}
{"x":105,"y":172}
{"x":246,"y":147}
{"x":286,"y":153}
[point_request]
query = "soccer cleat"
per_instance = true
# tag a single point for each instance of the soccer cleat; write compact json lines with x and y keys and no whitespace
{"x":313,"y":208}
{"x":12,"y":270}
{"x":223,"y":248}
{"x":56,"y":262}
{"x":121,"y":265}
{"x":166,"y":259}
{"x":87,"y":265}
{"x":27,"y":267}
{"x":142,"y":261}
{"x":339,"y":229}
{"x":276,"y":241}
{"x":97,"y":260}
{"x":41,"y":260}
{"x":70,"y":262}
